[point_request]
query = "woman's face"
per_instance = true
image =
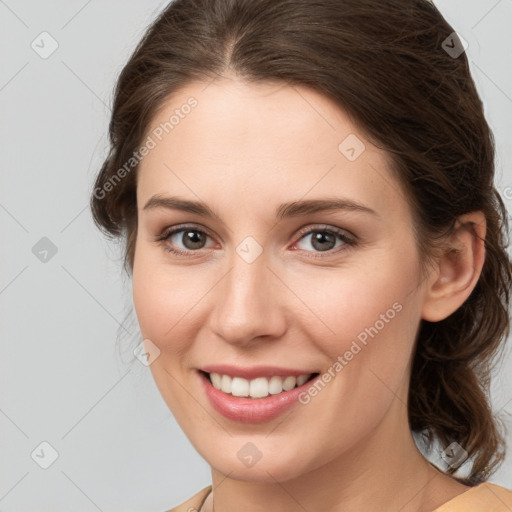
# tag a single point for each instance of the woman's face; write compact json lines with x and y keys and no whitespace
{"x":271,"y":283}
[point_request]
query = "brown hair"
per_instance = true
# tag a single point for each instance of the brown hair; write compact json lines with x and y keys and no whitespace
{"x":388,"y":65}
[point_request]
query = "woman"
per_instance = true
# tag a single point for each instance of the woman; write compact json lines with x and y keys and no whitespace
{"x":247,"y":134}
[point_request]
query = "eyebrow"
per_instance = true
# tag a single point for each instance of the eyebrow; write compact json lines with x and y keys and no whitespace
{"x":285,"y":210}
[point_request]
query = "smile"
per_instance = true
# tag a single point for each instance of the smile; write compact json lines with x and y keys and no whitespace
{"x":259,"y":387}
{"x":259,"y":399}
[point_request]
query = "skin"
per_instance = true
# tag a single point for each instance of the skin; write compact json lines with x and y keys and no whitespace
{"x":244,"y":150}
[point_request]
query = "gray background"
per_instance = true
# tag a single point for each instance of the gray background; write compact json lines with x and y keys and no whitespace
{"x":66,"y":377}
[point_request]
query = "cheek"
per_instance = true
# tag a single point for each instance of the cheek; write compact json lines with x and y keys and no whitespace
{"x":369,"y":318}
{"x":360,"y":303}
{"x":148,"y":296}
{"x":146,"y":299}
{"x":165,"y":300}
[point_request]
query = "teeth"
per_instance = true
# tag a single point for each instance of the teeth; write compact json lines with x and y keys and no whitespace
{"x":301,"y":380}
{"x":216,"y":380}
{"x":256,"y":388}
{"x":289,"y":383}
{"x":225,"y":383}
{"x":239,"y":387}
{"x":275,"y":385}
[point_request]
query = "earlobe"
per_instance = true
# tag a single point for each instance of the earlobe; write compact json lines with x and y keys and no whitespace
{"x":457,"y":270}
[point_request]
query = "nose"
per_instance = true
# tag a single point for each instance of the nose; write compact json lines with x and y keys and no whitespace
{"x":249,"y":303}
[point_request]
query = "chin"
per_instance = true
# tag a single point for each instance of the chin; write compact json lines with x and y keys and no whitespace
{"x":257,"y":461}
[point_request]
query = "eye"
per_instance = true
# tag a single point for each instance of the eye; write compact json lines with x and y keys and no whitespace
{"x":322,"y":238}
{"x":325,"y":239}
{"x":191,"y":239}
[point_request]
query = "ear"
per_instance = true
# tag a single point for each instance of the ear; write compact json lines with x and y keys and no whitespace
{"x":458,"y":269}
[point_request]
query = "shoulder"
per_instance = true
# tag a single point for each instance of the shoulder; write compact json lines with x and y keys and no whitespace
{"x":194,"y":503}
{"x":485,"y":497}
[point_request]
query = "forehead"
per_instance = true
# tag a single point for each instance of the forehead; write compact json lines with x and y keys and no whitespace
{"x":265,"y":141}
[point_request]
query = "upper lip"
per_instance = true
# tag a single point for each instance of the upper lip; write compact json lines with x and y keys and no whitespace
{"x":254,"y":371}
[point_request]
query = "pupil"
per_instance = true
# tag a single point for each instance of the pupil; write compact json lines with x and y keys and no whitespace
{"x":193,"y":240}
{"x":322,"y":238}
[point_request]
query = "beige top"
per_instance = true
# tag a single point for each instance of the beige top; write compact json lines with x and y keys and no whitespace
{"x":485,"y":497}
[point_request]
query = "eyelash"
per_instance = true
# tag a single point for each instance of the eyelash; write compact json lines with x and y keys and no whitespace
{"x":348,"y":241}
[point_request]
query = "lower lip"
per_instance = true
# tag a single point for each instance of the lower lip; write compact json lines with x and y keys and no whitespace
{"x":252,"y":410}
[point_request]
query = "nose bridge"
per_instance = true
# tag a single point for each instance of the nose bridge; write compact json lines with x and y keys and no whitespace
{"x":246,"y":305}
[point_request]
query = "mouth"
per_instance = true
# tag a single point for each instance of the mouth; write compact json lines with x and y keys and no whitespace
{"x":258,"y":387}
{"x":257,"y":399}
